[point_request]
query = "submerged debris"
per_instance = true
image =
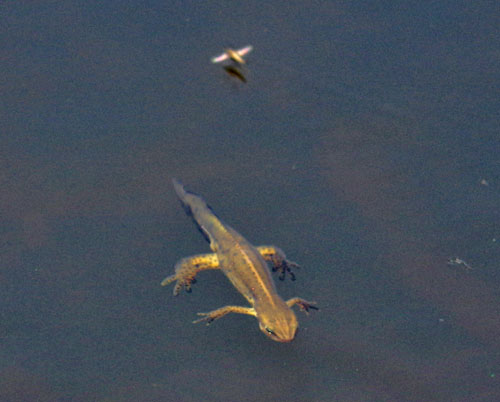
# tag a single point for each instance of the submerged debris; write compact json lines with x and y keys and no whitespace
{"x":459,"y":262}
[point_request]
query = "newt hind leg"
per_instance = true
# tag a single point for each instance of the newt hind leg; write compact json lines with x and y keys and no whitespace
{"x":277,"y":258}
{"x":221,"y":312}
{"x":187,"y":268}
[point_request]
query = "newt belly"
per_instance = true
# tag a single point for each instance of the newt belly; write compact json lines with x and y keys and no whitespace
{"x":244,"y":265}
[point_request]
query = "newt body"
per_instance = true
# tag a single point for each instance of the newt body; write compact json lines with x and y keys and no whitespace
{"x":244,"y":265}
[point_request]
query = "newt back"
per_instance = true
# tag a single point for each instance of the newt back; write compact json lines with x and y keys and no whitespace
{"x":238,"y":259}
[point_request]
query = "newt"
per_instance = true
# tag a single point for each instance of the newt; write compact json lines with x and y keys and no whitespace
{"x":246,"y":268}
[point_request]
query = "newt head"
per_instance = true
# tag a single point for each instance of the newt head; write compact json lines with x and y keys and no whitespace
{"x":280,"y":326}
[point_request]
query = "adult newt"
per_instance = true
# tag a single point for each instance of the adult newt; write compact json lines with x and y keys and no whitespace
{"x":244,"y":265}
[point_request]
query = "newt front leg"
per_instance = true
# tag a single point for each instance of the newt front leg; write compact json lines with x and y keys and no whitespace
{"x":303,"y":304}
{"x":277,"y":258}
{"x":187,"y":268}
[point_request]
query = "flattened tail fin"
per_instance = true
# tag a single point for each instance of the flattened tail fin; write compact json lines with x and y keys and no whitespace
{"x":179,"y":188}
{"x":189,"y":201}
{"x":181,"y":194}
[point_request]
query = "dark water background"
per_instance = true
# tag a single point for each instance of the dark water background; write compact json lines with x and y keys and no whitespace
{"x":365,"y":144}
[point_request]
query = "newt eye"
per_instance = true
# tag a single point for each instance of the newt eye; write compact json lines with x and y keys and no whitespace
{"x":270,"y":331}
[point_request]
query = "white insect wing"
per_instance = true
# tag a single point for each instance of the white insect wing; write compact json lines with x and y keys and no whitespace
{"x":245,"y":50}
{"x":222,"y":57}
